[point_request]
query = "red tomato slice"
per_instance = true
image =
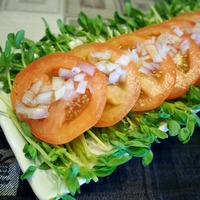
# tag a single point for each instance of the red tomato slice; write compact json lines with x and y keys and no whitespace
{"x":189,"y":16}
{"x":194,"y":18}
{"x":121,"y":96}
{"x":66,"y":119}
{"x":187,"y":69}
{"x":155,"y":86}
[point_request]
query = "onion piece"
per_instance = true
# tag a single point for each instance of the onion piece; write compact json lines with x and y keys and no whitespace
{"x":122,"y":74}
{"x":135,"y":55}
{"x":70,"y":95}
{"x":59,"y":93}
{"x":79,"y":77}
{"x":28,"y":97}
{"x":177,"y":31}
{"x":75,"y":70}
{"x":123,"y":60}
{"x":151,"y":49}
{"x":162,"y":49}
{"x":87,"y":68}
{"x":101,"y":67}
{"x":65,"y":73}
{"x":37,"y":112}
{"x":33,"y":113}
{"x":168,"y":38}
{"x":184,"y":46}
{"x":149,"y":66}
{"x":43,"y":98}
{"x":101,"y":55}
{"x":196,"y":37}
{"x":57,"y":82}
{"x":35,"y":88}
{"x":145,"y":71}
{"x":45,"y":88}
{"x":69,"y":84}
{"x":113,"y":77}
{"x":81,"y":88}
{"x":149,"y":41}
{"x":111,"y":66}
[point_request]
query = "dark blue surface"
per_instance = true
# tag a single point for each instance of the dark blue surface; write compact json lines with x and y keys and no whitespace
{"x":173,"y":174}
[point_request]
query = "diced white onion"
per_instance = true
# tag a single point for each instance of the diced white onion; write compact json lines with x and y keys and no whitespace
{"x":76,"y":70}
{"x":196,"y":37}
{"x":70,"y":95}
{"x":135,"y":55}
{"x":155,"y":65}
{"x":123,"y":60}
{"x":35,"y":88}
{"x":65,"y":73}
{"x":113,"y":77}
{"x":146,"y":57}
{"x":184,"y":46}
{"x":172,"y":51}
{"x":43,"y":98}
{"x":45,"y":88}
{"x":101,"y":67}
{"x":79,"y":77}
{"x":57,"y":82}
{"x":111,"y":66}
{"x":178,"y":31}
{"x":20,"y":107}
{"x":28,"y":97}
{"x":168,"y":38}
{"x":122,"y":74}
{"x":143,"y":52}
{"x":37,"y":113}
{"x":87,"y":68}
{"x":149,"y":41}
{"x":151,"y":49}
{"x":149,"y":66}
{"x":162,"y":49}
{"x":69,"y":84}
{"x":81,"y":88}
{"x":32,"y":113}
{"x":101,"y":55}
{"x":59,"y":93}
{"x":145,"y":71}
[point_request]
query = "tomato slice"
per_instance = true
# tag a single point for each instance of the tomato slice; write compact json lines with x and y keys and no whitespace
{"x":122,"y":95}
{"x":194,"y":18}
{"x":155,"y":86}
{"x":67,"y":119}
{"x":187,"y":64}
{"x":189,"y":16}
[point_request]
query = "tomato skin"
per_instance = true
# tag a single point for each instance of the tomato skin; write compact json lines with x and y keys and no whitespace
{"x":191,"y":19}
{"x":189,"y":16}
{"x":183,"y":79}
{"x":154,"y":90}
{"x":55,"y":129}
{"x":121,"y":96}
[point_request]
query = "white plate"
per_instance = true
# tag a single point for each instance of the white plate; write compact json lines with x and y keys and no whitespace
{"x":43,"y":182}
{"x":48,"y":188}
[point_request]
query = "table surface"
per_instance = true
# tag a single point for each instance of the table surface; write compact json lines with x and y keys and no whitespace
{"x":175,"y":170}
